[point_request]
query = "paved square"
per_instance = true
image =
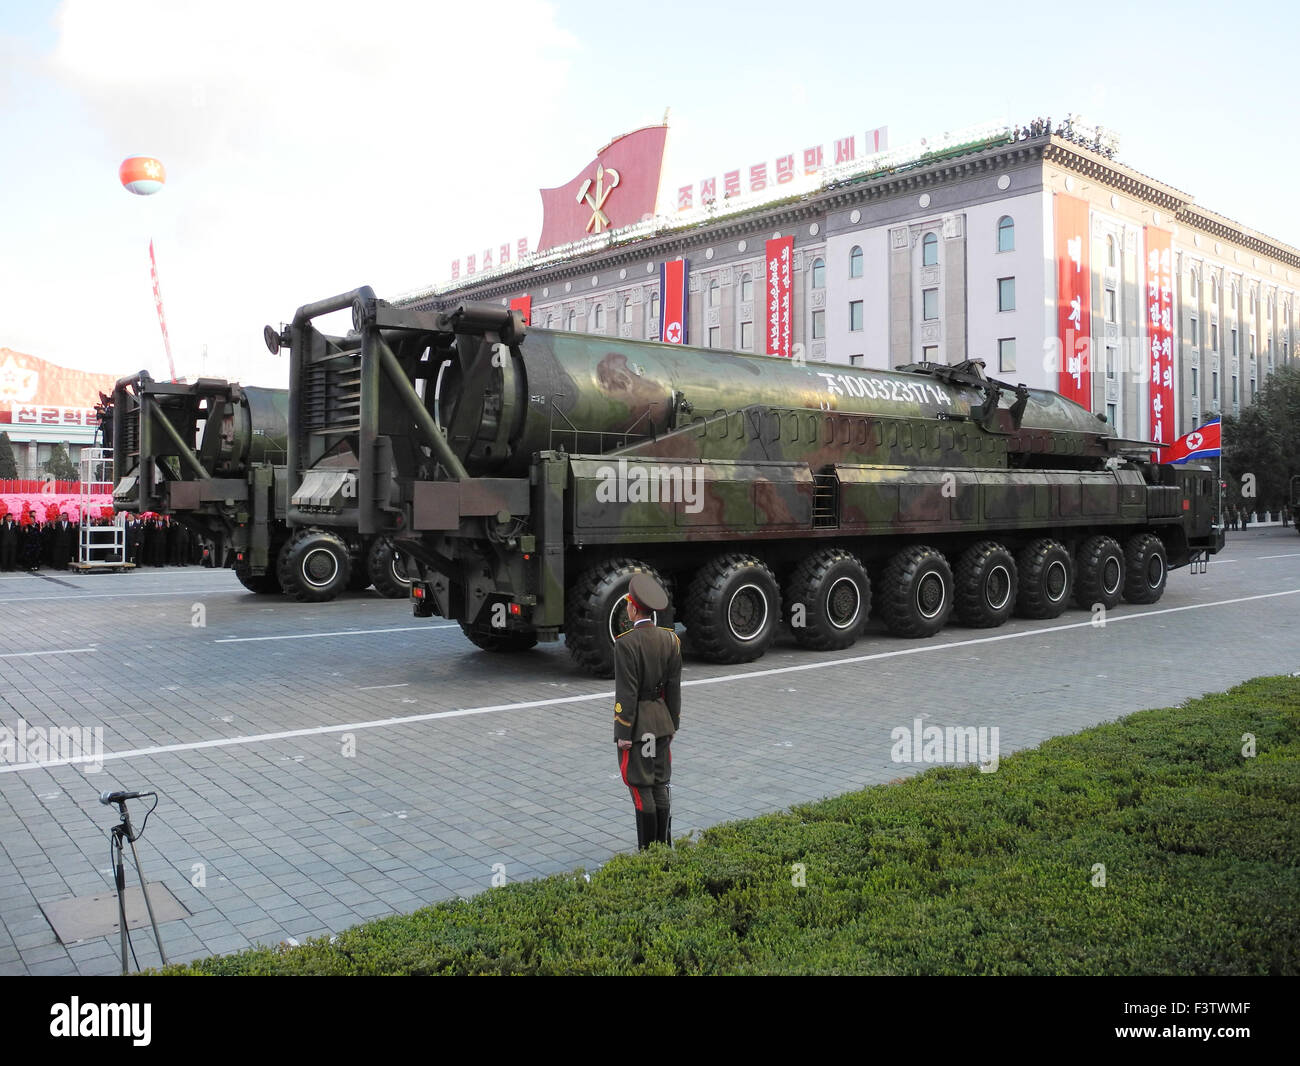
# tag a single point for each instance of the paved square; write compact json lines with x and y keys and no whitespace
{"x":323,"y":764}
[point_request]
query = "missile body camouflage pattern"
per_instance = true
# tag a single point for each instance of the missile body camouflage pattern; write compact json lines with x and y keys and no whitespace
{"x":212,"y":454}
{"x":529,"y":473}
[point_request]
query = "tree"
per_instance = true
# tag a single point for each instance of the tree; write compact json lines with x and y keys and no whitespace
{"x":8,"y":464}
{"x":1262,"y":446}
{"x":60,"y":465}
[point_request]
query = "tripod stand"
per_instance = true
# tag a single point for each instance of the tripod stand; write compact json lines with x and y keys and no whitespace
{"x":118,"y":832}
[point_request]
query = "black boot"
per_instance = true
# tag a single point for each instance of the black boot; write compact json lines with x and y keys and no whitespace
{"x":663,"y":834}
{"x":647,"y":828}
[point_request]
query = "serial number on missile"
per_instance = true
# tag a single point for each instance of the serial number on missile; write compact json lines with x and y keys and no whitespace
{"x":870,"y":388}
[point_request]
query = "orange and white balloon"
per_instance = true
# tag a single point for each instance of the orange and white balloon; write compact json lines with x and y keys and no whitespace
{"x":142,"y":174}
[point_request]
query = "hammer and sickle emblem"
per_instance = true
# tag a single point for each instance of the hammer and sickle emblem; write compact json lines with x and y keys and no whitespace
{"x":597,"y":202}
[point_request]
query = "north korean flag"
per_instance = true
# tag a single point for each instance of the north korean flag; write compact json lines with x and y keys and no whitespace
{"x":1204,"y":442}
{"x":672,"y":301}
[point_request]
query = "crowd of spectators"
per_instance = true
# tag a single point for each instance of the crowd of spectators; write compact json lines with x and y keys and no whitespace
{"x":149,"y":540}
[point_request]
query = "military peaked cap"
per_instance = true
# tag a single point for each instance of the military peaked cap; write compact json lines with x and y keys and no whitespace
{"x":648,"y":593}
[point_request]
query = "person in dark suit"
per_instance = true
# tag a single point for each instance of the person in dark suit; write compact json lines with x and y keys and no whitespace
{"x":647,"y":708}
{"x":9,"y":537}
{"x":63,"y":542}
{"x":32,"y":538}
{"x":131,"y":539}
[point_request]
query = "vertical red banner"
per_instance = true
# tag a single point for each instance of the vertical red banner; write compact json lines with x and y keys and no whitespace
{"x":1074,"y":299}
{"x":779,"y":296}
{"x":672,"y":301}
{"x":1160,"y":335}
{"x":524,"y":304}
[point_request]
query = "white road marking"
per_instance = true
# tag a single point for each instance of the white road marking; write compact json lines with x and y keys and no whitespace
{"x":371,"y":688}
{"x":335,"y":633}
{"x":1293,"y":555}
{"x":587,"y":697}
{"x":52,"y":651}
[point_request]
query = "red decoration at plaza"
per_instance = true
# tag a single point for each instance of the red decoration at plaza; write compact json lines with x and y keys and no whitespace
{"x":778,"y":312}
{"x":524,"y":304}
{"x":1074,"y":300}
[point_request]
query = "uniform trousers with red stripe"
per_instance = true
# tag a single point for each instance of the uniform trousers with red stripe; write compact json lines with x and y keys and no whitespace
{"x":647,"y":777}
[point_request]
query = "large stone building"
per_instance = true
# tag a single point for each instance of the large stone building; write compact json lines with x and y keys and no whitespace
{"x":956,"y":254}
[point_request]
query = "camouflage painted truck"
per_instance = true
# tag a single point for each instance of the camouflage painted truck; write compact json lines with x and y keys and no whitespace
{"x":212,"y":455}
{"x":528,"y":474}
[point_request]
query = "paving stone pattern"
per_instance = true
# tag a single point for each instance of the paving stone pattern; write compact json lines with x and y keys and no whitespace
{"x":282,"y":837}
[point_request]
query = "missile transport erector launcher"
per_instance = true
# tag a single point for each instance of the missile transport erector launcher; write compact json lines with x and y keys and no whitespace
{"x":212,"y":454}
{"x":528,"y":474}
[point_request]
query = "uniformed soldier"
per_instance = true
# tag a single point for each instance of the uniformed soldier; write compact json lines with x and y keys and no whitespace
{"x":647,"y":707}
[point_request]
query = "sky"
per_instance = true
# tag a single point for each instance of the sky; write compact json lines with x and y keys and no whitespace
{"x":315,"y":147}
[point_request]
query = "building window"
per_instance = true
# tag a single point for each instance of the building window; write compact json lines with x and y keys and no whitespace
{"x":1195,"y":375}
{"x":1252,"y":390}
{"x":627,"y":310}
{"x":1195,"y":285}
{"x":855,"y":262}
{"x":1234,"y":295}
{"x":855,"y":315}
{"x":1214,"y":291}
{"x":747,"y":336}
{"x":746,"y":288}
{"x":930,"y":250}
{"x":1196,"y":333}
{"x":600,"y":316}
{"x":930,"y":353}
{"x":1214,"y":384}
{"x":1110,"y":363}
{"x":1110,"y":306}
{"x":1006,"y":294}
{"x":1006,"y":234}
{"x":930,"y":304}
{"x":715,"y":336}
{"x":818,"y":325}
{"x":1234,"y":389}
{"x":819,"y":274}
{"x":1214,"y":336}
{"x":1236,"y":350}
{"x":571,"y":323}
{"x":1006,"y":355}
{"x":1252,"y":346}
{"x":1112,"y":413}
{"x":715,"y":291}
{"x":652,"y":315}
{"x":1110,"y":251}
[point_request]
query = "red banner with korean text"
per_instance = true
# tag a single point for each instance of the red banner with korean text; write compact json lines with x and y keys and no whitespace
{"x":1074,"y":300}
{"x":36,"y":393}
{"x":778,"y":314}
{"x":523,"y":304}
{"x":673,"y":277}
{"x":1160,"y":335}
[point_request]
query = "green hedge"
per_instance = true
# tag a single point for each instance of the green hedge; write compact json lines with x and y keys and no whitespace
{"x":951,"y":872}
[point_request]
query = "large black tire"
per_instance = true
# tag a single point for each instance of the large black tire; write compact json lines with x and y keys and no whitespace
{"x":267,"y":584}
{"x":830,"y":594}
{"x":1148,"y":568}
{"x":916,"y":592}
{"x":595,"y":612}
{"x":499,"y":640}
{"x":732,"y":609}
{"x":1099,"y":573}
{"x":314,"y":566}
{"x":986,"y":583}
{"x":387,"y":570}
{"x":1046,"y":579}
